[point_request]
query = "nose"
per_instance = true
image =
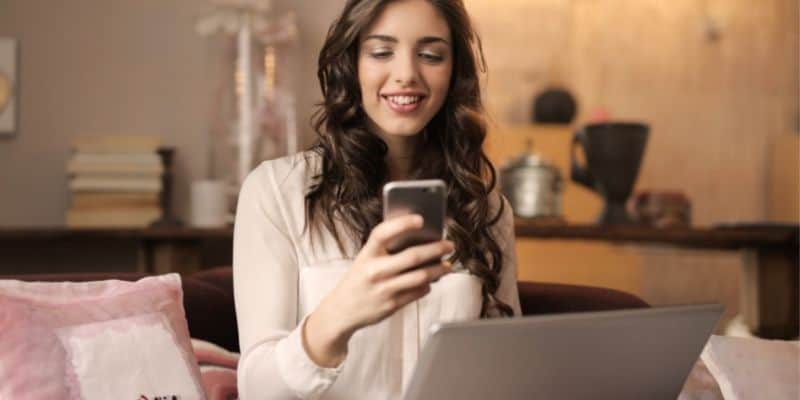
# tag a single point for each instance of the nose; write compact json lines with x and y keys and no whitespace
{"x":405,"y":71}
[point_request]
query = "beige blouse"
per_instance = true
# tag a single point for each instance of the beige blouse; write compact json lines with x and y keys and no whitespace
{"x":279,"y":278}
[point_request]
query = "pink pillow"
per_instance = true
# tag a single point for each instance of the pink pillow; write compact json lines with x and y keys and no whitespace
{"x":109,"y":339}
{"x":752,"y":368}
{"x":700,"y":385}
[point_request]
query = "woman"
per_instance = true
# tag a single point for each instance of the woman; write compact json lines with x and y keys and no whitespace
{"x":324,"y":311}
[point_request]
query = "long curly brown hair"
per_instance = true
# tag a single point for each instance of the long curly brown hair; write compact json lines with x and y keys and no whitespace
{"x":353,"y":167}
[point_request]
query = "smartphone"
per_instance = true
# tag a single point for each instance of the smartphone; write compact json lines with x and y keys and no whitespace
{"x":427,"y":198}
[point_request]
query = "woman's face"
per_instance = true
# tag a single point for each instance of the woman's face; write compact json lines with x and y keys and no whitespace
{"x":404,"y":67}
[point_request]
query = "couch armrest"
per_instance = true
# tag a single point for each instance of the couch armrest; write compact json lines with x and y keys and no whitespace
{"x":550,"y":298}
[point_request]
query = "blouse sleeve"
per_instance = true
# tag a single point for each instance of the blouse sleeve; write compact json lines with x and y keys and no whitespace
{"x":274,"y":363}
{"x":508,"y":292}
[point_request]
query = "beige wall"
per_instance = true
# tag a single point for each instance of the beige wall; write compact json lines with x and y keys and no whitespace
{"x":107,"y":66}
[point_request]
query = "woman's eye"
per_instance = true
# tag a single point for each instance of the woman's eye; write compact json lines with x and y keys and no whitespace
{"x":431,"y":57}
{"x":381,"y":54}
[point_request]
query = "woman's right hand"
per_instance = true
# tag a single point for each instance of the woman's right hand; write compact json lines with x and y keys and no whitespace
{"x":374,"y":287}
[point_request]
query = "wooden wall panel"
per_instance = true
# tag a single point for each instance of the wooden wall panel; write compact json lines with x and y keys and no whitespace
{"x":574,"y":262}
{"x":783,"y":186}
{"x":717,"y":80}
{"x":714,"y":105}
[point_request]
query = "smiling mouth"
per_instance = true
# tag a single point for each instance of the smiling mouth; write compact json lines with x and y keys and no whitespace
{"x":403,"y":104}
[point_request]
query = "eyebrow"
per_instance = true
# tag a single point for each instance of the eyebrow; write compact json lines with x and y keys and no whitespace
{"x":392,"y":39}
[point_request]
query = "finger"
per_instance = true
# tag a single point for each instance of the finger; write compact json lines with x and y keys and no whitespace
{"x":387,"y":230}
{"x":416,"y":256}
{"x":403,"y":298}
{"x":415,"y":279}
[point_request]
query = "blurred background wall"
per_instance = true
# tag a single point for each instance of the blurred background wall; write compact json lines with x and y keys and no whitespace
{"x":122,"y":66}
{"x":717,"y":80}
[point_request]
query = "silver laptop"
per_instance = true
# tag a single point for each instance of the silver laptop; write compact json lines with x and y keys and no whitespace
{"x":629,"y":354}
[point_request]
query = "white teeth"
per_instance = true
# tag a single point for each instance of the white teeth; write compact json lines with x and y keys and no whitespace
{"x":403,"y":100}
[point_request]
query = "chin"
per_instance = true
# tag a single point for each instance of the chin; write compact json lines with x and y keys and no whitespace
{"x":401,"y":130}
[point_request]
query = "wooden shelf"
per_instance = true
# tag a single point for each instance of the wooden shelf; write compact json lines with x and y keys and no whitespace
{"x":172,"y":233}
{"x":733,"y":237}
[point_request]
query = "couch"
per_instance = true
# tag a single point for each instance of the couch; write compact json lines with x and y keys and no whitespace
{"x":210,"y":314}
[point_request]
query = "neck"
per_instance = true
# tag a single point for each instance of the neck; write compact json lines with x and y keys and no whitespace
{"x":400,"y":155}
{"x":398,"y":165}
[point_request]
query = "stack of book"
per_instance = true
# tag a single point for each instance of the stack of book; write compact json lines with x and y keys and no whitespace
{"x":115,"y":181}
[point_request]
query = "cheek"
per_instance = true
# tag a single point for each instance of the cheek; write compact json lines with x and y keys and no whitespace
{"x":369,"y":79}
{"x":439,"y":81}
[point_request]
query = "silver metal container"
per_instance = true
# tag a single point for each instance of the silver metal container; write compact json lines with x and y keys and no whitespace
{"x":532,"y":185}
